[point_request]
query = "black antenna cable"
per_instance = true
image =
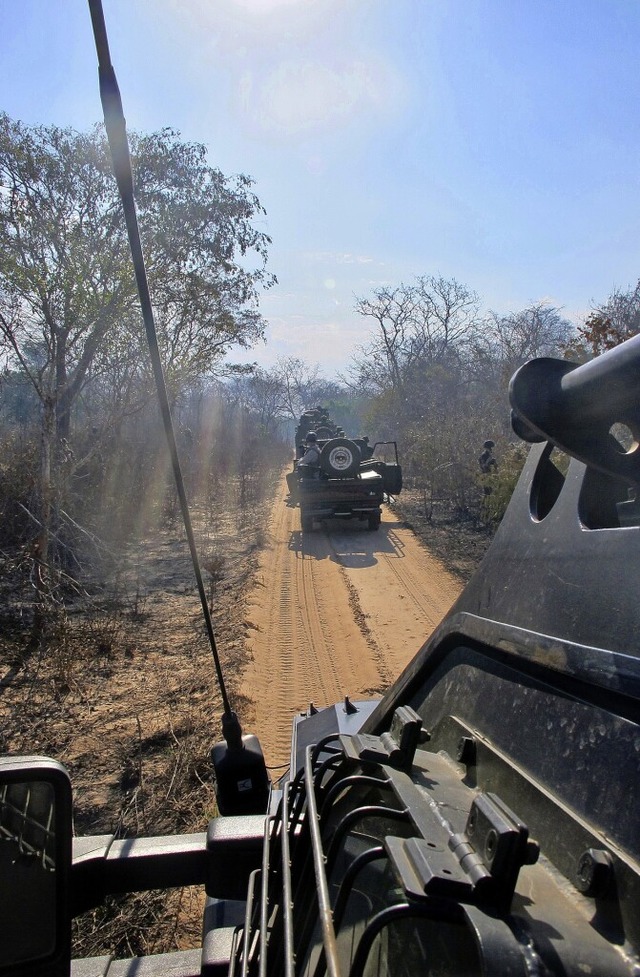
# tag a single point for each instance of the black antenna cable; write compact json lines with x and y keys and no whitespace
{"x":119,"y":145}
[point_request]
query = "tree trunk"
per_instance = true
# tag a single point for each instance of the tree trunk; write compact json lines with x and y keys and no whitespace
{"x":63,"y":393}
{"x":41,"y":548}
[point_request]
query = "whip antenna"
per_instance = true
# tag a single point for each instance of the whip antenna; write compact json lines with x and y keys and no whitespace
{"x":115,"y":125}
{"x":241,"y":776}
{"x":242,"y":782}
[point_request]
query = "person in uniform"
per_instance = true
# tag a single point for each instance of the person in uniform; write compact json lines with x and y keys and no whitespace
{"x":486,"y":460}
{"x":310,"y":461}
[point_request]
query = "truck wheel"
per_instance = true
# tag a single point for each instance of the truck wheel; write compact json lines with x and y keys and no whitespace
{"x":306,"y":522}
{"x":340,"y":458}
{"x":374,"y":520}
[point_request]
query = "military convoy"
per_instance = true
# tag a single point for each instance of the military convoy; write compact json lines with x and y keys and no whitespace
{"x":343,"y":478}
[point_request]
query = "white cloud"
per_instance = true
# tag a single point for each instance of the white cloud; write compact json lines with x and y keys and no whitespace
{"x":314,"y":338}
{"x":258,"y":28}
{"x":338,"y":258}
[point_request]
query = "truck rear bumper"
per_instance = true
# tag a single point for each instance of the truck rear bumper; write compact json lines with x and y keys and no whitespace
{"x":340,"y":511}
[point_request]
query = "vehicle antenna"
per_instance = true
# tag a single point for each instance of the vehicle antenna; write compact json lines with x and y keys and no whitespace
{"x":119,"y":146}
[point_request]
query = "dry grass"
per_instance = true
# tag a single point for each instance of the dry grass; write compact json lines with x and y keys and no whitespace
{"x":122,"y":692}
{"x":459,"y":543}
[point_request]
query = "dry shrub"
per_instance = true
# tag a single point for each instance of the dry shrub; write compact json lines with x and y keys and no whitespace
{"x":498,"y":486}
{"x":214,"y":565}
{"x":165,"y":788}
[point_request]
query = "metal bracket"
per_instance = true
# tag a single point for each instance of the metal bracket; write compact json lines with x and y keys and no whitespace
{"x":397,"y":747}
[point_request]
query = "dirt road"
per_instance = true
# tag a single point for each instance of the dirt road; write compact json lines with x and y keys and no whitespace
{"x":337,"y":612}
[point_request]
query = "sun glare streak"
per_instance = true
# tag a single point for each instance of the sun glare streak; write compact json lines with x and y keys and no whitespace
{"x":143,"y":508}
{"x":206,"y":439}
{"x":263,"y":23}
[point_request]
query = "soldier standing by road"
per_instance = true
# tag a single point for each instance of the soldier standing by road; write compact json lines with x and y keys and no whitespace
{"x":486,"y":460}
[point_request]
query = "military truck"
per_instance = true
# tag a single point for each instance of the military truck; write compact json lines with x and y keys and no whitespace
{"x":350,"y":479}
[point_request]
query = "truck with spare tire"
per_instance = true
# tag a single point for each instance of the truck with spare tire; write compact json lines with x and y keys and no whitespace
{"x":345,"y":478}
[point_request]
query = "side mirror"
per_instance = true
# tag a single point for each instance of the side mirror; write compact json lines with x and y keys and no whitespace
{"x":35,"y":867}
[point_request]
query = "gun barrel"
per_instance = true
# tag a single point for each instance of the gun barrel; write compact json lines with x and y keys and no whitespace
{"x":576,"y":406}
{"x":607,"y":385}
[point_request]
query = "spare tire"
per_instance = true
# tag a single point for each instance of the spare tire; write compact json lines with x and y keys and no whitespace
{"x":340,"y":458}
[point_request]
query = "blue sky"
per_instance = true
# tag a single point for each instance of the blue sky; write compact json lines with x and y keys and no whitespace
{"x":494,"y":141}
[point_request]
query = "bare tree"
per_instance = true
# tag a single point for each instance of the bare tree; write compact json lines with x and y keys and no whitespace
{"x":279,"y":395}
{"x":415,"y":327}
{"x":299,"y":383}
{"x":436,"y":375}
{"x":515,"y":337}
{"x":260,"y":393}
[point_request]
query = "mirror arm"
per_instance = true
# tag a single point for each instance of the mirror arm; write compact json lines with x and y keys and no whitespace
{"x":103,"y":866}
{"x":222,"y":859}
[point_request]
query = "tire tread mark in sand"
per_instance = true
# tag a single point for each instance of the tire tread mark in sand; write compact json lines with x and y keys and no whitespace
{"x":297,"y":644}
{"x":282,"y":640}
{"x":318,"y":657}
{"x":413,"y":590}
{"x":314,"y":634}
{"x":342,"y":649}
{"x":361,"y":620}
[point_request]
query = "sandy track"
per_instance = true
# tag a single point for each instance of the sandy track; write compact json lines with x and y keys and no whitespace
{"x":338,"y":612}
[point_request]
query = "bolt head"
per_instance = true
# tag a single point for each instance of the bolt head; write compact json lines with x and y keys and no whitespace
{"x":594,"y":873}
